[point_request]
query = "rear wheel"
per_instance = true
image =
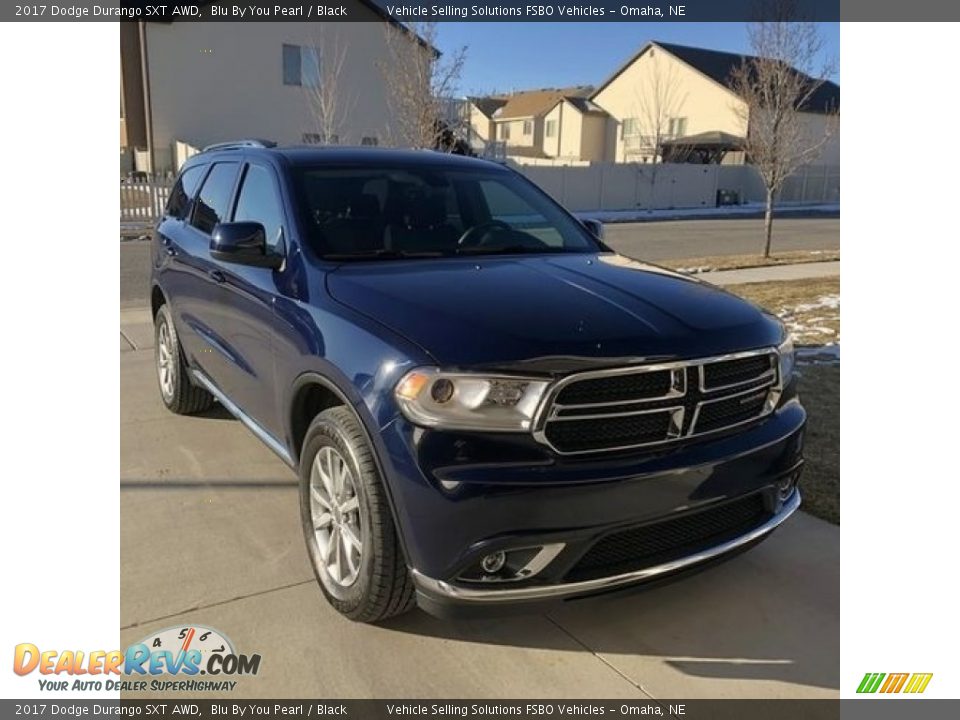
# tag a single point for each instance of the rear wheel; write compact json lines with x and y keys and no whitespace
{"x":347,"y":524}
{"x":177,"y":390}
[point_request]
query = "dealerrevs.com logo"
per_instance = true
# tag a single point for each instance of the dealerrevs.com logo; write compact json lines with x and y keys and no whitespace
{"x":151,"y":664}
{"x":910,"y":683}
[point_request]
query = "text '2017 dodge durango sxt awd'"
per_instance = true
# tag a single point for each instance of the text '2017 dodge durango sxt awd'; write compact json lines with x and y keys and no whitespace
{"x":487,"y":407}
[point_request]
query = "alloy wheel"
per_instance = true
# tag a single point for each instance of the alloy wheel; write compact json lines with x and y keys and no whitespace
{"x":336,"y":517}
{"x":165,"y":359}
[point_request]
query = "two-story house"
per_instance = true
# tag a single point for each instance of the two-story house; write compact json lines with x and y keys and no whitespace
{"x":199,"y":83}
{"x":666,"y":92}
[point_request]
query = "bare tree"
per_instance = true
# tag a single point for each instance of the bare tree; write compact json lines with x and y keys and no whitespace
{"x":420,"y":86}
{"x":779,"y":88}
{"x":331,"y":102}
{"x":658,"y":100}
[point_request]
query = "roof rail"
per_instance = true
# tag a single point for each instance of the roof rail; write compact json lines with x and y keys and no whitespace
{"x":234,"y":144}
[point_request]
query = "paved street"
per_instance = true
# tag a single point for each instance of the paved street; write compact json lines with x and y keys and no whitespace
{"x":648,"y":241}
{"x":210,"y":534}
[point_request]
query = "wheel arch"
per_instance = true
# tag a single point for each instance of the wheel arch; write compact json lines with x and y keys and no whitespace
{"x":316,"y":387}
{"x":157,"y":298}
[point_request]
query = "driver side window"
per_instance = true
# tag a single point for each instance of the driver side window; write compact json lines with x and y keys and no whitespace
{"x":258,"y":202}
{"x":508,"y":207}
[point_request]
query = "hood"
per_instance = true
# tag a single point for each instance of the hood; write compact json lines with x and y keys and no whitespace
{"x":551,"y":313}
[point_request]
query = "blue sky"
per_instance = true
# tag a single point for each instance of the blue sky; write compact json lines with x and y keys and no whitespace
{"x":516,"y":56}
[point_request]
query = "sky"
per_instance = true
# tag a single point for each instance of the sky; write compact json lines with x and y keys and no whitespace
{"x":517,"y":56}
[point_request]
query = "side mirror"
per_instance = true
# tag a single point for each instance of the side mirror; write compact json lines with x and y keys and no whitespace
{"x":243,"y":243}
{"x":595,"y":227}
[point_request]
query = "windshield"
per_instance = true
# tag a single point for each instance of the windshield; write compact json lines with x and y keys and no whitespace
{"x":357,"y":213}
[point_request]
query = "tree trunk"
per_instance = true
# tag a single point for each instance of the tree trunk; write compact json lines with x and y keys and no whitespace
{"x":768,"y":224}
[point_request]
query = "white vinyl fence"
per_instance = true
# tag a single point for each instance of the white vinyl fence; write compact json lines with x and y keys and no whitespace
{"x":585,"y":188}
{"x":142,"y":199}
{"x":631,"y":186}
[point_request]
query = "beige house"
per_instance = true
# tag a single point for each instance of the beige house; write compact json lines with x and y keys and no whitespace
{"x":668,"y":91}
{"x":480,"y":111}
{"x":197,"y":83}
{"x":575,"y":129}
{"x":520,"y":121}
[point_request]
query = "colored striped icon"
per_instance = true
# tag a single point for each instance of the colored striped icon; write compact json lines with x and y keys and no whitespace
{"x":894,"y":682}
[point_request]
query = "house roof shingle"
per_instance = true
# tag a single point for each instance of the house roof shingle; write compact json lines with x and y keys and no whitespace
{"x":488,"y":105}
{"x":719,"y":66}
{"x":531,"y":103}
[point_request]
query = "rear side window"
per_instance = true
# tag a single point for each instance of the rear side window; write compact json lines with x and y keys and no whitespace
{"x":212,"y":205}
{"x":258,"y":202}
{"x":178,"y":206}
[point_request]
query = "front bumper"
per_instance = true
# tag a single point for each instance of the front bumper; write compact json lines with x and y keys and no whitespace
{"x":458,"y":498}
{"x":434,"y":594}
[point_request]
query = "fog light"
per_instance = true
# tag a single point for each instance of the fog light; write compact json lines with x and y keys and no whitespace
{"x":494,"y":562}
{"x":787,"y":485}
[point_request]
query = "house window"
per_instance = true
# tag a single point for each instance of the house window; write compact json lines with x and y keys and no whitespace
{"x":313,"y":138}
{"x":631,"y":126}
{"x":677,"y":127}
{"x":550,"y":129}
{"x":503,"y":130}
{"x":528,"y":127}
{"x":301,"y":65}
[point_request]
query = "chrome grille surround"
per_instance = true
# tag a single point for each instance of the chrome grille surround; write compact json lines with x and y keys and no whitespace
{"x":684,"y":399}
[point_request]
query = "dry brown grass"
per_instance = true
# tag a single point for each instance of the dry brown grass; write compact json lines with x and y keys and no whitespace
{"x":820,"y":484}
{"x":809,"y":308}
{"x":738,"y":262}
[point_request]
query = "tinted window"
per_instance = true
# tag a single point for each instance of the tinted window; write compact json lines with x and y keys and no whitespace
{"x":258,"y":202}
{"x":378,"y":211}
{"x":212,"y":204}
{"x":506,"y":206}
{"x":178,"y":205}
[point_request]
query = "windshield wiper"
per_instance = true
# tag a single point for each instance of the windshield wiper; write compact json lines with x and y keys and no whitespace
{"x":382,"y":254}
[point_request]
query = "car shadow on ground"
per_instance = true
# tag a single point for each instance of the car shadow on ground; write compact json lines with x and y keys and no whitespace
{"x":734,"y":621}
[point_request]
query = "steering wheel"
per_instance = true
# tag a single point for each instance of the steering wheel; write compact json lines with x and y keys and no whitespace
{"x":469,"y":237}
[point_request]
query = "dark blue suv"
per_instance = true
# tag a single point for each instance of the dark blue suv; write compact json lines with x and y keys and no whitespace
{"x":486,"y":406}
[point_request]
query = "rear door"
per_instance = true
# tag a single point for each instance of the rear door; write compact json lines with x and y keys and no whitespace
{"x":196,"y":278}
{"x":175,"y":265}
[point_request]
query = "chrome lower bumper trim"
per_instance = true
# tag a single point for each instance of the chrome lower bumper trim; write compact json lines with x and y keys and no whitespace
{"x":459,"y":593}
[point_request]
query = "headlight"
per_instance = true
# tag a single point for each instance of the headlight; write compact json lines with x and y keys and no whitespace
{"x":467,"y":401}
{"x":788,"y":358}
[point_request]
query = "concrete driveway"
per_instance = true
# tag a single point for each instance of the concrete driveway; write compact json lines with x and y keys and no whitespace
{"x":210,"y":534}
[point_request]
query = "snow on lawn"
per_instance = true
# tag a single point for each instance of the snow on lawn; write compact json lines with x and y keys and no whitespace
{"x":819,"y":354}
{"x":813,"y":323}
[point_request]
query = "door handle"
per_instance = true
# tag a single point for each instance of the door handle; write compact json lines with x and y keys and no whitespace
{"x":217,"y":276}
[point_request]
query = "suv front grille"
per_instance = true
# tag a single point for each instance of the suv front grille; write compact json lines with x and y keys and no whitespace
{"x":624,"y":408}
{"x":614,"y":431}
{"x":660,"y":542}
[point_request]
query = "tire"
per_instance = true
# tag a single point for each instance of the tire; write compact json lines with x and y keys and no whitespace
{"x":374,"y":582}
{"x":177,"y":390}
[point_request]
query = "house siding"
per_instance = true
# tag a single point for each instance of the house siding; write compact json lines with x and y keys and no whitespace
{"x":706,"y":104}
{"x":211,"y":82}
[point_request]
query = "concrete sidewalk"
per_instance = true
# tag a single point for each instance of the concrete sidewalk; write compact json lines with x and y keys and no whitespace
{"x":210,"y":534}
{"x":771,"y":273}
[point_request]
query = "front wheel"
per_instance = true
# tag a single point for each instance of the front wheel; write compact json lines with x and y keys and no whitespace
{"x":351,"y":539}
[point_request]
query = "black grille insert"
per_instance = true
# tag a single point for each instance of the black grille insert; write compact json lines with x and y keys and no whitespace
{"x":647,"y":545}
{"x":616,"y":388}
{"x":730,"y":411}
{"x":610,"y":432}
{"x":731,"y":372}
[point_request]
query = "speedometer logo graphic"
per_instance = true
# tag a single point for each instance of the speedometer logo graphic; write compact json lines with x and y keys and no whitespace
{"x":181,"y":639}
